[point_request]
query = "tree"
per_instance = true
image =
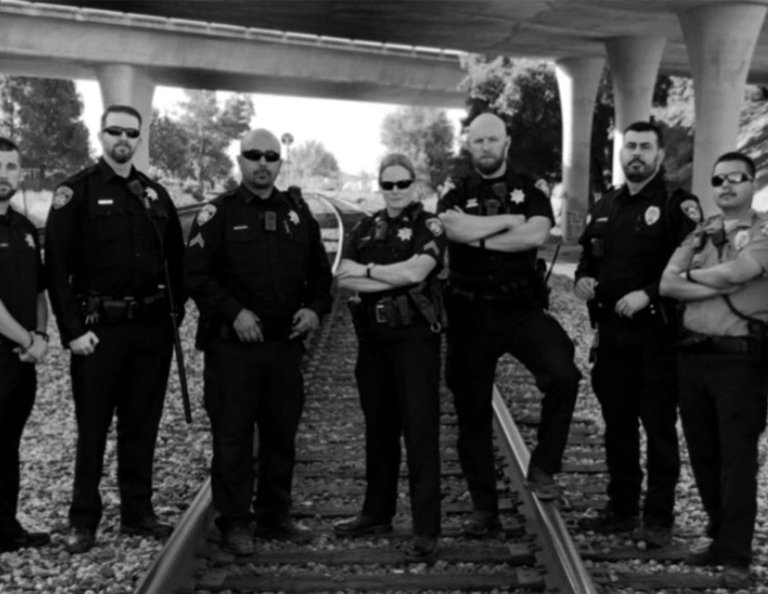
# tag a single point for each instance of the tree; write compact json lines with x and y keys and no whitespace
{"x":169,"y":146}
{"x":44,"y":117}
{"x":312,"y":159}
{"x":424,"y":135}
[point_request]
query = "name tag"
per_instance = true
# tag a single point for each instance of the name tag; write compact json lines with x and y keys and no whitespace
{"x":240,"y":228}
{"x":105,"y":201}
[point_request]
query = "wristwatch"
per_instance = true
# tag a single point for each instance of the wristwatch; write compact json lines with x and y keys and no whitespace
{"x":368,"y":269}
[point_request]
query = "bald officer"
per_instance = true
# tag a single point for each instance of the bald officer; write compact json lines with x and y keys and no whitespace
{"x":495,"y":221}
{"x":259,"y":274}
{"x":719,"y":271}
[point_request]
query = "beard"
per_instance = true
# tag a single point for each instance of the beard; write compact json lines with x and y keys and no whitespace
{"x":639,"y":174}
{"x":262,"y":179}
{"x":121,"y":152}
{"x":488,"y":164}
{"x":6,"y":191}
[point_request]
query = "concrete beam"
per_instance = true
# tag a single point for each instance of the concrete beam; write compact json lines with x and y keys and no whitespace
{"x":577,"y":80}
{"x":634,"y":64}
{"x":720,"y":39}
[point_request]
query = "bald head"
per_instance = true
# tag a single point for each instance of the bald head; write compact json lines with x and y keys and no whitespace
{"x":488,"y":144}
{"x":261,"y":139}
{"x":259,"y":161}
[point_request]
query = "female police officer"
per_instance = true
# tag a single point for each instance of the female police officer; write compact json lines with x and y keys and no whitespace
{"x":392,"y":260}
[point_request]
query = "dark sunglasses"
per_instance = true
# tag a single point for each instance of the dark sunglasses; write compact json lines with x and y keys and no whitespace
{"x":118,"y":131}
{"x":255,"y":155}
{"x":737,"y":177}
{"x":400,"y":185}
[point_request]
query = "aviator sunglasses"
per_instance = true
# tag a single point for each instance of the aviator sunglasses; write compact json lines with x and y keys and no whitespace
{"x":256,"y":155}
{"x":119,"y":130}
{"x":737,"y":177}
{"x":400,"y":184}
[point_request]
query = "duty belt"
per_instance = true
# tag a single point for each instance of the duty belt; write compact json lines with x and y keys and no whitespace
{"x":111,"y":310}
{"x":693,"y":342}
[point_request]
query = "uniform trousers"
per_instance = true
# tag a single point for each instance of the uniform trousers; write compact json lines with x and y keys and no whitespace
{"x":247,"y":384}
{"x":723,"y":410}
{"x":17,"y":396}
{"x":479,"y":333}
{"x":398,"y":376}
{"x":634,"y":382}
{"x":127,"y":373}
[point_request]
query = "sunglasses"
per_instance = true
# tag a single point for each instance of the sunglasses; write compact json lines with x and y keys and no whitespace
{"x":737,"y":177}
{"x":400,"y":185}
{"x":256,"y":155}
{"x":119,"y":131}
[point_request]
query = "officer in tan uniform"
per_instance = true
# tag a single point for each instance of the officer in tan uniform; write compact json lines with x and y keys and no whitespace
{"x":719,"y":271}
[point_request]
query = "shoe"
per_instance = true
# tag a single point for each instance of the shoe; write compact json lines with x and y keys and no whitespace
{"x":608,"y":522}
{"x":148,"y":526}
{"x":79,"y":540}
{"x":361,"y":525}
{"x":653,"y":536}
{"x":481,"y":524}
{"x":24,"y":540}
{"x":542,"y":484}
{"x":237,"y":540}
{"x":283,"y":527}
{"x":706,"y":557}
{"x":736,"y":576}
{"x":423,"y":548}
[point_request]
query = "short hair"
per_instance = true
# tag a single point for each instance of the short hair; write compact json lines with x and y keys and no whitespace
{"x":394,"y":159}
{"x":7,"y":145}
{"x":646,"y":127}
{"x":738,"y":156}
{"x":120,"y":109}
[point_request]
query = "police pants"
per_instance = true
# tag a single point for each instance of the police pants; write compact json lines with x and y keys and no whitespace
{"x":17,"y":396}
{"x":480,"y":333}
{"x":257,"y":383}
{"x":127,"y":373}
{"x":723,"y":410}
{"x":398,"y":376}
{"x":634,"y":382}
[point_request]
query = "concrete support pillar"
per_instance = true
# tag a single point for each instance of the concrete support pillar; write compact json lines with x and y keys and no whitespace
{"x":577,"y":80}
{"x":128,"y":85}
{"x":634,"y":64}
{"x":720,"y":39}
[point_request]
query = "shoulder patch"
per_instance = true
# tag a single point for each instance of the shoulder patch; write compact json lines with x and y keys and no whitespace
{"x":206,"y":214}
{"x":764,"y":228}
{"x":435,"y":226}
{"x":741,"y":239}
{"x":691,"y":209}
{"x":62,"y":196}
{"x":151,"y":193}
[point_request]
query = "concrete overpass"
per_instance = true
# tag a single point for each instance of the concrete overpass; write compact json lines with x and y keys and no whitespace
{"x":721,"y":43}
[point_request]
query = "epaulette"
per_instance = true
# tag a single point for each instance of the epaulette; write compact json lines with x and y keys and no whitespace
{"x":224,"y":195}
{"x":76,"y":177}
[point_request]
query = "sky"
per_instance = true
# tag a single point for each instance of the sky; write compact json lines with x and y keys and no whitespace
{"x":348,"y":129}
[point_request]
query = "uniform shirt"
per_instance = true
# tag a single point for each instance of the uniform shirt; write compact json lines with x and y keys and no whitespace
{"x":266,"y":256}
{"x":628,"y":239}
{"x":21,"y":274}
{"x":509,"y":194}
{"x":101,"y":238}
{"x":381,"y":239}
{"x":712,"y":316}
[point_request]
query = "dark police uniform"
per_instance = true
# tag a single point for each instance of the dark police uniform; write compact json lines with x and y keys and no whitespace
{"x":105,"y":247}
{"x":266,"y":256}
{"x":496,"y":304}
{"x":398,"y":366}
{"x":21,"y":280}
{"x":723,"y":365}
{"x":627,"y":243}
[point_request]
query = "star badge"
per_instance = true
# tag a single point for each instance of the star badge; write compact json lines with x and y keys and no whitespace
{"x":294,"y":218}
{"x":30,"y":240}
{"x":405,"y":234}
{"x":517,"y":196}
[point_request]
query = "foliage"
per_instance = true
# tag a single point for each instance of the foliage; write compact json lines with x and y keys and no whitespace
{"x":426,"y":136}
{"x":44,"y":117}
{"x":169,"y":146}
{"x":311,"y":159}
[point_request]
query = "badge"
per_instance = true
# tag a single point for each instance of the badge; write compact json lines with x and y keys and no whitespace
{"x":62,"y":196}
{"x":404,"y":234}
{"x":293,"y":216}
{"x":435,"y":226}
{"x":741,"y":239}
{"x":691,"y":210}
{"x":517,"y":196}
{"x":151,"y":194}
{"x":652,"y":214}
{"x":447,"y":186}
{"x":206,"y":214}
{"x":30,"y":240}
{"x":197,"y":240}
{"x":471,"y":203}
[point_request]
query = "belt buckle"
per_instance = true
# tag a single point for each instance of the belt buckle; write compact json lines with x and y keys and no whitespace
{"x":379,"y":313}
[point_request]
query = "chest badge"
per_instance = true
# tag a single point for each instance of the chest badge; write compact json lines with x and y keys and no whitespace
{"x":293,"y":217}
{"x":652,"y":214}
{"x":517,"y":196}
{"x":741,"y":239}
{"x":405,"y":234}
{"x":30,"y":240}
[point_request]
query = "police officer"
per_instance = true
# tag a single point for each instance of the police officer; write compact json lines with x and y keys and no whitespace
{"x":629,"y":236}
{"x":392,"y":261}
{"x":109,"y":234}
{"x":719,"y":271}
{"x":260,"y":276}
{"x":495,"y":220}
{"x":23,"y":342}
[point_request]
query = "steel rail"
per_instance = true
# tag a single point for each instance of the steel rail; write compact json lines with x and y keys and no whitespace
{"x":566,"y":572}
